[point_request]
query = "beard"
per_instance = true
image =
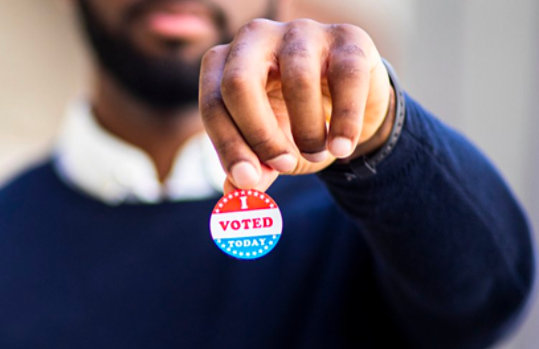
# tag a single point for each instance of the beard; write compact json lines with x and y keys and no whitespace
{"x":162,"y":83}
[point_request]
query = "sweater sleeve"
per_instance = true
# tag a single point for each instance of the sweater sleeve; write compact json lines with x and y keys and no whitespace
{"x":452,"y":248}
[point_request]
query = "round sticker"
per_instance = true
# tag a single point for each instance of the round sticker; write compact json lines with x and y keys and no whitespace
{"x":246,"y":224}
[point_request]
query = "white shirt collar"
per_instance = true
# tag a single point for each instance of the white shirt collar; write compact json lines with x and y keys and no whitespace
{"x":113,"y":171}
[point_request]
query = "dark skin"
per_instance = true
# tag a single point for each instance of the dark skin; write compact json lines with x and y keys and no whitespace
{"x":160,"y":136}
{"x":264,"y":99}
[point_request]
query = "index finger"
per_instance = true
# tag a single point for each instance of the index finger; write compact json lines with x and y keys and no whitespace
{"x":238,"y":161}
{"x":243,"y":87}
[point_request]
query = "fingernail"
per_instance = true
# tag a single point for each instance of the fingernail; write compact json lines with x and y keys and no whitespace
{"x":283,"y":163}
{"x":244,"y":175}
{"x":340,"y":147}
{"x":316,"y":157}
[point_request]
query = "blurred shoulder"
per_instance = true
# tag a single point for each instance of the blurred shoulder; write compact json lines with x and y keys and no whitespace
{"x":31,"y":180}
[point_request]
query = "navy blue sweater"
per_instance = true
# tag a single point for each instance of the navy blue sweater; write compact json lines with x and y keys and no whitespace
{"x":432,"y":252}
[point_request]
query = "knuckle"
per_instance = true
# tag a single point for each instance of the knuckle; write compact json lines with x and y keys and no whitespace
{"x":210,"y":105}
{"x":348,"y":114}
{"x":347,"y":30}
{"x":348,"y":68}
{"x":264,"y":145}
{"x":302,"y":79}
{"x":298,"y":79}
{"x":260,"y":140}
{"x":213,"y":53}
{"x":351,"y":49}
{"x":309,"y":143}
{"x":350,"y":40}
{"x":236,"y":50}
{"x":225,"y":146}
{"x":298,"y":34}
{"x":234,"y":82}
{"x":228,"y":149}
{"x":295,"y":48}
{"x":349,"y":72}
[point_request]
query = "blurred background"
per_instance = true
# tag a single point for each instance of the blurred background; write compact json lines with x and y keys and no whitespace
{"x":474,"y":63}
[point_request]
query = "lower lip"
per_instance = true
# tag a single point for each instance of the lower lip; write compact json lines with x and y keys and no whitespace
{"x":179,"y":26}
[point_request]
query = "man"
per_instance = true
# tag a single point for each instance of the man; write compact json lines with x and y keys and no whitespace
{"x":420,"y":244}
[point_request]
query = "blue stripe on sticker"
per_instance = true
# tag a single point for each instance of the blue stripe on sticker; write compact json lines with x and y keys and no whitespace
{"x":248,"y":247}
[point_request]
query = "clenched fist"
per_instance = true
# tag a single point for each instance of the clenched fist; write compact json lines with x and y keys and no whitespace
{"x":291,"y":98}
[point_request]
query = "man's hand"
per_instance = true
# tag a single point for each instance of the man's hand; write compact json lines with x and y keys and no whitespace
{"x":292,"y":97}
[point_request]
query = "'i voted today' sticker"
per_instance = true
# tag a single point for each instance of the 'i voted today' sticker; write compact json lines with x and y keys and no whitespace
{"x":246,"y":224}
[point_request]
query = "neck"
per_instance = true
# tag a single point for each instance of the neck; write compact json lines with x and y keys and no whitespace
{"x":159,"y":133}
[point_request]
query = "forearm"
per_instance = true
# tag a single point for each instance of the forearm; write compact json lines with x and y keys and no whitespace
{"x":452,"y":246}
